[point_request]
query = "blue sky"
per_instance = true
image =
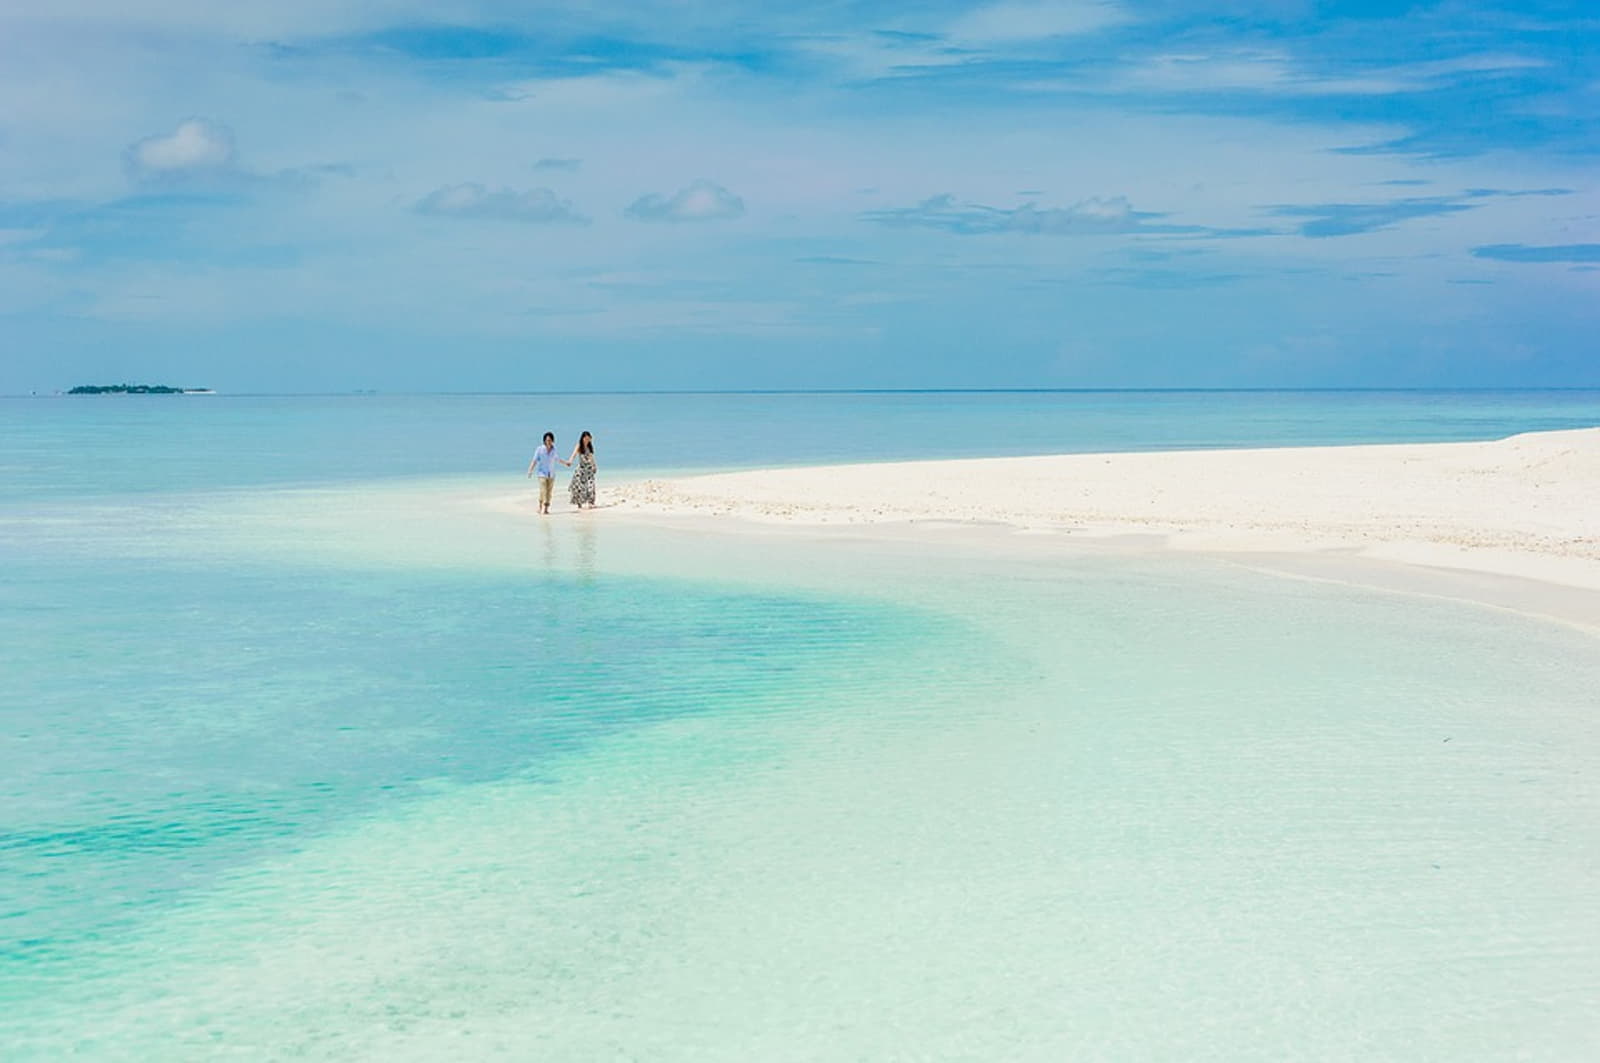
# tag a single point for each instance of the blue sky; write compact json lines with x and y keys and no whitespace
{"x":470,"y":195}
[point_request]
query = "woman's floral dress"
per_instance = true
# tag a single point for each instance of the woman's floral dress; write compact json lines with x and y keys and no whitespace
{"x":582,"y":488}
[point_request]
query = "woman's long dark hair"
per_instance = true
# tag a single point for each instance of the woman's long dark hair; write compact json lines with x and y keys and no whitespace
{"x":586,"y":444}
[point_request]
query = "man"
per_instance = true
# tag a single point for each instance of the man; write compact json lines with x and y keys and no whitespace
{"x":544,"y":463}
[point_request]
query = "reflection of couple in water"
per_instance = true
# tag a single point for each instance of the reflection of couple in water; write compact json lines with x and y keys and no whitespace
{"x":581,"y":490}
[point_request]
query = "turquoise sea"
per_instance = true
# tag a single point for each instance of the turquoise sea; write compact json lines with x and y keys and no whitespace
{"x":315,"y":743}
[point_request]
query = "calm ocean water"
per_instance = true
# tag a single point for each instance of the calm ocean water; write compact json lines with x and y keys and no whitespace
{"x":378,"y":772}
{"x":61,"y":447}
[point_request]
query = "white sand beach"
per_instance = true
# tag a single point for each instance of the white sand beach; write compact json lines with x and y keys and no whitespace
{"x":1527,"y":506}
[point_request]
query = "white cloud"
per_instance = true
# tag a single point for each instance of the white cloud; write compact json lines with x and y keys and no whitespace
{"x":699,"y":201}
{"x":197,"y":148}
{"x":471,"y":200}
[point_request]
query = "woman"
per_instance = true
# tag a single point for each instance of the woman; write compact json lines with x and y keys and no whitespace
{"x":583,"y":468}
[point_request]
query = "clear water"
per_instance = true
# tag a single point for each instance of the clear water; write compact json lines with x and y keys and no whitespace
{"x":202,"y":716}
{"x":366,"y":769}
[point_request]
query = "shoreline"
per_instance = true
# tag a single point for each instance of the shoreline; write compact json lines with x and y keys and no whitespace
{"x":1512,"y":523}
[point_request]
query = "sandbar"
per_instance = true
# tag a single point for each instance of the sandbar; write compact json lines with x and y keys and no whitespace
{"x":1520,"y":514}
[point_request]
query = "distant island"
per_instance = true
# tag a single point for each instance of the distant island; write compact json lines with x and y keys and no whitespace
{"x":136,"y":389}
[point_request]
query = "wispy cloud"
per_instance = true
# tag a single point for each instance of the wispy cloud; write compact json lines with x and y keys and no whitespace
{"x":1350,"y":219}
{"x":1165,"y":279}
{"x":558,"y":41}
{"x":561,"y":164}
{"x":1269,"y":72}
{"x":1530,"y":253}
{"x":698,"y":201}
{"x":1266,"y":71}
{"x":1516,"y":193}
{"x":1013,"y":21}
{"x":1091,"y":216}
{"x":539,"y":206}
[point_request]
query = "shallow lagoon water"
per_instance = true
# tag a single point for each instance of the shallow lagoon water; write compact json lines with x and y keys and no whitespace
{"x":396,"y":771}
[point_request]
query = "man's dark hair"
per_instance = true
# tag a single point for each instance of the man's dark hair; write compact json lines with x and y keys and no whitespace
{"x":550,"y":437}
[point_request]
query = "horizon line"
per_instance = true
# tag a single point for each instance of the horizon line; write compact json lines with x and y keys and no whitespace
{"x":358,"y":393}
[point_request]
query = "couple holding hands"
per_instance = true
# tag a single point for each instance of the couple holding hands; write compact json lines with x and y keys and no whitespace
{"x":581,"y":490}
